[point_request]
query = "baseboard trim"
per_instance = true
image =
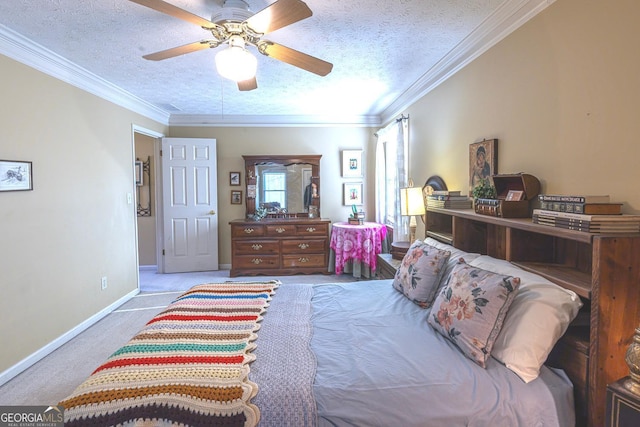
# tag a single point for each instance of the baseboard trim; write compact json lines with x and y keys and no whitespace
{"x":33,"y":358}
{"x":148,"y":268}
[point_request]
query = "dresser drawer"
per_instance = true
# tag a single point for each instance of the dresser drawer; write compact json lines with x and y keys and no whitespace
{"x":256,"y":261}
{"x":281,"y":230}
{"x":258,"y":247}
{"x":312,"y":229}
{"x":252,"y":230}
{"x":304,"y":260}
{"x":303,"y":246}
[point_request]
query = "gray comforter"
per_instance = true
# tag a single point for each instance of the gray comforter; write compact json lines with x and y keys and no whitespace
{"x":380,"y":364}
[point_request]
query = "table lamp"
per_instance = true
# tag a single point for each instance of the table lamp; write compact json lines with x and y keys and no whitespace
{"x":411,"y":204}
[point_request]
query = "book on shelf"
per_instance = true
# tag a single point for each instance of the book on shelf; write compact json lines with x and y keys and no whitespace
{"x":585,"y":217}
{"x":583,"y":208}
{"x":449,"y":204}
{"x":447,"y":197}
{"x":587,"y":226}
{"x":445,"y":193}
{"x":574,"y":198}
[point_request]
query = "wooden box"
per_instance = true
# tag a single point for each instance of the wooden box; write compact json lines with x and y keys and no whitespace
{"x":523,"y":185}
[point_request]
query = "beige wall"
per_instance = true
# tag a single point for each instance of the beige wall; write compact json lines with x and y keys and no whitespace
{"x":328,"y":141}
{"x":562,"y":95}
{"x":59,"y":240}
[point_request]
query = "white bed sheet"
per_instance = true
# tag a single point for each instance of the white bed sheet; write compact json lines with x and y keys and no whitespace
{"x":379,"y":363}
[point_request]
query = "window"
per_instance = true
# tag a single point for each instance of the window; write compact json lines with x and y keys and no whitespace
{"x":392,"y":166}
{"x":275,"y":189}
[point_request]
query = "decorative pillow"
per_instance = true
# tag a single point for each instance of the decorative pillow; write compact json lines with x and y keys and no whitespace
{"x":418,"y":277}
{"x":471,"y":307}
{"x":538,"y":317}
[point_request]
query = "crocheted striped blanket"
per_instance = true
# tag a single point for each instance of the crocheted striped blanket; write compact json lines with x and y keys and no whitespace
{"x":187,"y":366}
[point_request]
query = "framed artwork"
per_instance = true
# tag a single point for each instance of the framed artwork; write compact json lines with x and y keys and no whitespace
{"x":352,"y":193}
{"x":483,"y":162}
{"x":15,"y":176}
{"x":352,"y":163}
{"x":234,"y":178}
{"x":139,"y":169}
{"x":236,"y":197}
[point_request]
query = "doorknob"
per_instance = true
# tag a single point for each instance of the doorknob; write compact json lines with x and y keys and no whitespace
{"x":212,"y":212}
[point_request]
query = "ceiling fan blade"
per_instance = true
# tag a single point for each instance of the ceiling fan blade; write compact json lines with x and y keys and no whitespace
{"x":247,"y":85}
{"x":176,"y":12}
{"x":295,"y":58}
{"x":278,"y":15}
{"x":181,"y":50}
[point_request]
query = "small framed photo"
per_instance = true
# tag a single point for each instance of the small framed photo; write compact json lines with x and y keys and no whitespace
{"x":234,"y":178}
{"x":352,"y":163}
{"x":139,"y":169}
{"x":15,"y":176}
{"x":352,"y":193}
{"x":236,"y":197}
{"x":515,"y":195}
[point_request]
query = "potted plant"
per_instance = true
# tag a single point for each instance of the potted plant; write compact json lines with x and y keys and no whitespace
{"x":484,"y":190}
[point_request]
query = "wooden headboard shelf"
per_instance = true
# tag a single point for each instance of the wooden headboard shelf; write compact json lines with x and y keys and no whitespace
{"x":604,"y":270}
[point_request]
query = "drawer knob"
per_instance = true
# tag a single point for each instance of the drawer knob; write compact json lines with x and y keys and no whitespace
{"x":248,"y":230}
{"x":280,"y":230}
{"x":256,"y":247}
{"x":303,"y":259}
{"x":256,"y":261}
{"x":311,"y":229}
{"x":303,"y":246}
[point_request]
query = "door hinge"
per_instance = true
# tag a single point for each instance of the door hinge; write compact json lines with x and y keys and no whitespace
{"x":163,"y":252}
{"x":160,"y":153}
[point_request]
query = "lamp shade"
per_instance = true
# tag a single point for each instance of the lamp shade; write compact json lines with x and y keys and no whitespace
{"x":411,"y":201}
{"x":236,"y":63}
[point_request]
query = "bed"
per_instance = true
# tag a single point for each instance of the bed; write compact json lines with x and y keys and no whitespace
{"x":366,"y":353}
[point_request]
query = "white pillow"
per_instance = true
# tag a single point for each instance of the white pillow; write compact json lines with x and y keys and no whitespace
{"x":537,"y":318}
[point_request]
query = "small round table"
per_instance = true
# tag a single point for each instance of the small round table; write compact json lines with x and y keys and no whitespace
{"x":354,"y":248}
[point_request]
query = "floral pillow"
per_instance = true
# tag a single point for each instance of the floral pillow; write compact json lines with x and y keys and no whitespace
{"x":419,"y":275}
{"x":470,"y":309}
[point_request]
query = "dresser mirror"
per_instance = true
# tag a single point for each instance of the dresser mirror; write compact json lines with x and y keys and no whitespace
{"x":286,"y":186}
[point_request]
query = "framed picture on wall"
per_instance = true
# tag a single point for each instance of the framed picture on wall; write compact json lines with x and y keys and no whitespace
{"x":15,"y":176}
{"x":234,"y":178}
{"x":352,"y":163}
{"x":352,"y":193}
{"x":139,"y":169}
{"x":483,"y":162}
{"x":236,"y":197}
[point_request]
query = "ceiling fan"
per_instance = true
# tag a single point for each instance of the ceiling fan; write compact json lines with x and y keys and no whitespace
{"x":237,"y":27}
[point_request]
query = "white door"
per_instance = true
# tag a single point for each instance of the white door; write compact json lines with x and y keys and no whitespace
{"x":190,"y":204}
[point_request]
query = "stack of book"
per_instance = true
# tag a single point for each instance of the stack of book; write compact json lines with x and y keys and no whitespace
{"x":448,"y":199}
{"x":588,"y":223}
{"x":591,"y":205}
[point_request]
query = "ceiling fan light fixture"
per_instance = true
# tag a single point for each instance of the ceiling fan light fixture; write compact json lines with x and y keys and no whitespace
{"x":236,"y":63}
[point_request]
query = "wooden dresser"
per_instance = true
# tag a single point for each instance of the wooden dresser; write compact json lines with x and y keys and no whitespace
{"x":279,"y":246}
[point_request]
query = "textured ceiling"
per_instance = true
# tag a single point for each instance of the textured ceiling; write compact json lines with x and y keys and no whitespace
{"x":379,"y":49}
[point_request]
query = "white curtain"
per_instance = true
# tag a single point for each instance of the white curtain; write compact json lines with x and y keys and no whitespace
{"x":392,"y":168}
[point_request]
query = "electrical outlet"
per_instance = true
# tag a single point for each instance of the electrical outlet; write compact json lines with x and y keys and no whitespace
{"x":103,"y":283}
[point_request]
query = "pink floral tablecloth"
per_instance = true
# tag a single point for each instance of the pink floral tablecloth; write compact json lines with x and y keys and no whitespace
{"x":357,"y":243}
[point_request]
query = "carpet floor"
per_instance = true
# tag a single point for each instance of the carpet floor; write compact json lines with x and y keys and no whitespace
{"x":55,"y":376}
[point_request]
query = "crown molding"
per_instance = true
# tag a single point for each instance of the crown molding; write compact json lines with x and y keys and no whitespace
{"x":204,"y":120}
{"x":27,"y":52}
{"x":510,"y":16}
